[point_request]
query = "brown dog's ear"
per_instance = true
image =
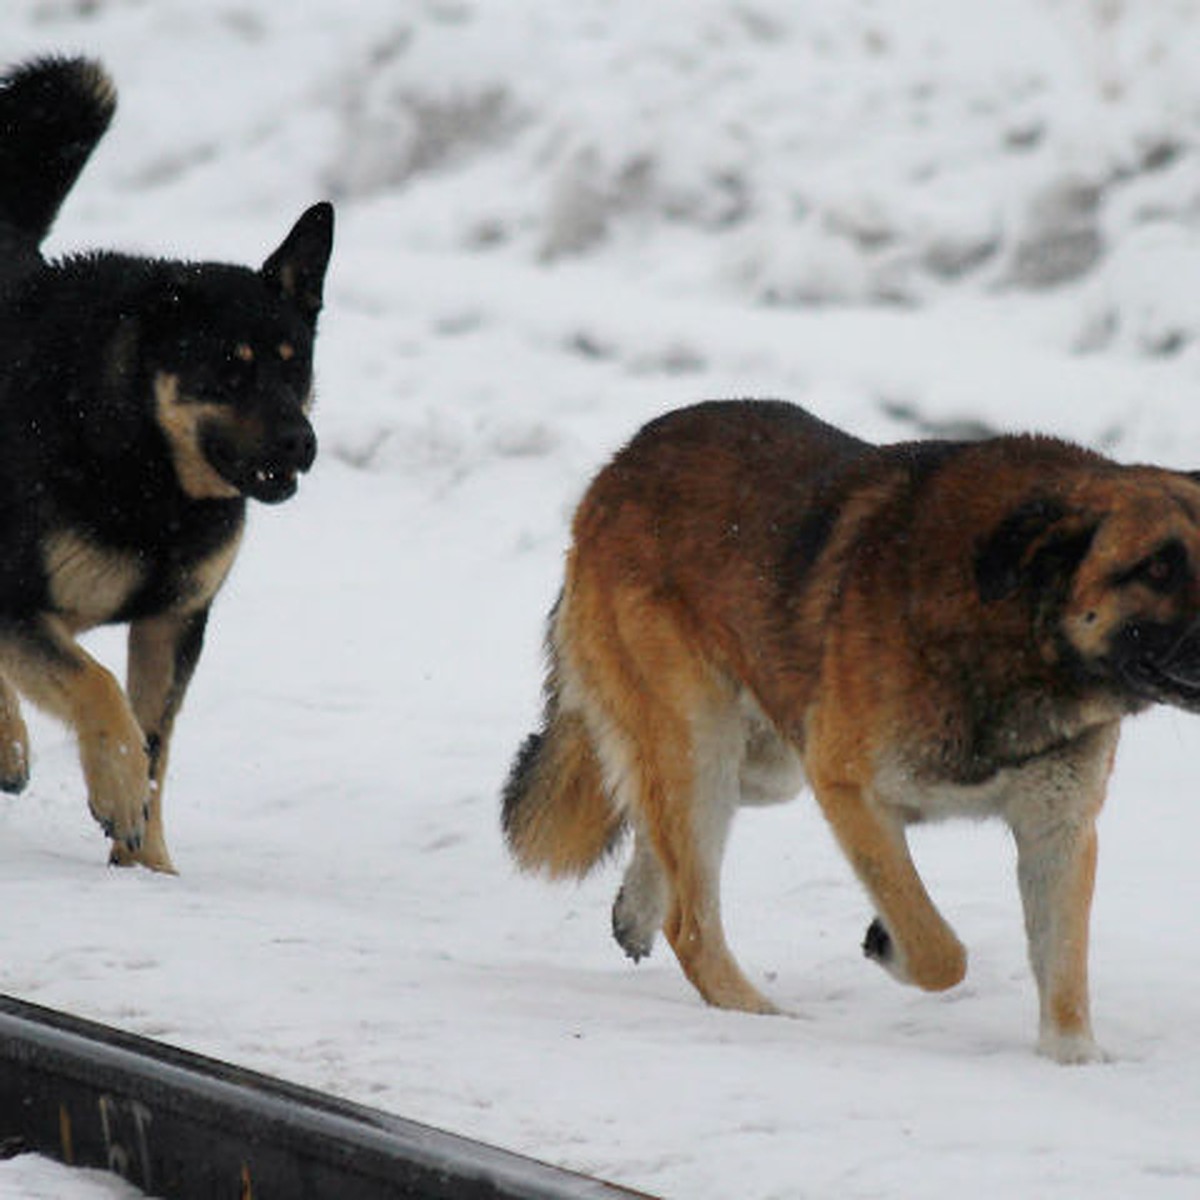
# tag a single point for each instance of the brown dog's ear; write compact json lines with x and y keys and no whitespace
{"x":1033,"y":546}
{"x":297,"y":269}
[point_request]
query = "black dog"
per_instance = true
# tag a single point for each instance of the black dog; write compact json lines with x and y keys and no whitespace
{"x":141,"y":403}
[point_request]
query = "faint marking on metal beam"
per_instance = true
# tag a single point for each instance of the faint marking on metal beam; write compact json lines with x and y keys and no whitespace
{"x":180,"y":1125}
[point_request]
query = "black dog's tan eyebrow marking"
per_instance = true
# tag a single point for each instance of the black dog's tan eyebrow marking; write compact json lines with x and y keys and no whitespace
{"x":244,"y":351}
{"x":286,"y":351}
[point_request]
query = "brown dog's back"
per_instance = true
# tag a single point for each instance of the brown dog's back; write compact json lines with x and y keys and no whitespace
{"x":645,"y":523}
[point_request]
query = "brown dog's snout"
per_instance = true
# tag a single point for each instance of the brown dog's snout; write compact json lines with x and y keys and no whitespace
{"x":1182,"y":660}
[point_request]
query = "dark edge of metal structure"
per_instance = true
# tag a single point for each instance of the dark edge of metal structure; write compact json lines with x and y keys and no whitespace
{"x":182,"y":1126}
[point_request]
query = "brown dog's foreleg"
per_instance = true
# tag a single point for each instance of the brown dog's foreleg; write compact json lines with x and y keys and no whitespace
{"x":910,"y":939}
{"x":163,"y":652}
{"x":1057,"y":873}
{"x":1054,"y":823}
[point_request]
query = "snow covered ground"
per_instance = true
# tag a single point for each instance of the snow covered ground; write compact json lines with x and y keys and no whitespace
{"x":556,"y":220}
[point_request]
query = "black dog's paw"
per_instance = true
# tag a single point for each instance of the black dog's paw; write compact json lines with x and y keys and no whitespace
{"x":877,"y":945}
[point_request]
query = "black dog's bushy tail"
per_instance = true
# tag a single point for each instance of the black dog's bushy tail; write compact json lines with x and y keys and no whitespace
{"x":53,"y":111}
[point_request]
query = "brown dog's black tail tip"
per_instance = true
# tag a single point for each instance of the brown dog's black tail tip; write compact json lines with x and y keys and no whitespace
{"x":556,"y":814}
{"x":516,"y":787}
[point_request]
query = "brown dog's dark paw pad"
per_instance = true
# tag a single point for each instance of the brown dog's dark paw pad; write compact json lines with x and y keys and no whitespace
{"x":877,"y":944}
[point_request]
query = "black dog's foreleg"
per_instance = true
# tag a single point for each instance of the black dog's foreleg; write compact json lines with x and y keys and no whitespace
{"x":163,"y":652}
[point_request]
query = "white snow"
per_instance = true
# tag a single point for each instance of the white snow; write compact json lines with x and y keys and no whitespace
{"x":556,"y":220}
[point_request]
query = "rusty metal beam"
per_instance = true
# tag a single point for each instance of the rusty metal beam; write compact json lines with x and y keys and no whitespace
{"x":183,"y":1126}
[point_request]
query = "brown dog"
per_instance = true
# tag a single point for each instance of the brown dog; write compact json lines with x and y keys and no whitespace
{"x":924,"y":630}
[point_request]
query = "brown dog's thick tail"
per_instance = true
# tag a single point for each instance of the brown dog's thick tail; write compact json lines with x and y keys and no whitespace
{"x":557,"y":815}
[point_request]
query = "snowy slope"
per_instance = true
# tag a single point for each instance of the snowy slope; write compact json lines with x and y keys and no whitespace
{"x":556,"y":220}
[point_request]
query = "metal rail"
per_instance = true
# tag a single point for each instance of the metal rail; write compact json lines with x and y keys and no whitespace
{"x":183,"y":1126}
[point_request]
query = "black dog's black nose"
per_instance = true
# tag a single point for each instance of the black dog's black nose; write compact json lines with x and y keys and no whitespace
{"x":296,"y":444}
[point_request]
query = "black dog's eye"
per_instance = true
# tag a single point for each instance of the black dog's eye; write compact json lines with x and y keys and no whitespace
{"x":238,"y":367}
{"x":1164,"y":570}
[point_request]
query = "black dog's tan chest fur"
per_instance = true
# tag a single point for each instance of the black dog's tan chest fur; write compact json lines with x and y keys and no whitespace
{"x":90,"y":584}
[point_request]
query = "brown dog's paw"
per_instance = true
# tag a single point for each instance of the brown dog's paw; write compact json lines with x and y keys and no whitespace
{"x":935,"y":968}
{"x":877,"y":944}
{"x":634,"y":934}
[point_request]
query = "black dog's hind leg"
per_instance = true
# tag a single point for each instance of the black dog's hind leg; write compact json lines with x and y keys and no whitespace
{"x":163,"y":652}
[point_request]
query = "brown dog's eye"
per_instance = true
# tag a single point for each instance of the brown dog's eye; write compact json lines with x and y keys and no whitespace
{"x":1164,"y":570}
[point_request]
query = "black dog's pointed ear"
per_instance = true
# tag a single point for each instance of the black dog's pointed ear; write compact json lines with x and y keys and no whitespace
{"x":297,"y":269}
{"x":1035,"y":544}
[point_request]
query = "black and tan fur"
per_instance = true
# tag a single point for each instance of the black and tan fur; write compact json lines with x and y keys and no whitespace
{"x":142,"y":402}
{"x":922,"y":630}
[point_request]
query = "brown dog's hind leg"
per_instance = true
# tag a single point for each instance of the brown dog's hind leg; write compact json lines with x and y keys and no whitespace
{"x":14,"y":741}
{"x":643,"y":901}
{"x":688,"y":821}
{"x":676,"y":742}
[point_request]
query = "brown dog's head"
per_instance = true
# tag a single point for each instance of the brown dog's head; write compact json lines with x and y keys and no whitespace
{"x":1111,"y":570}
